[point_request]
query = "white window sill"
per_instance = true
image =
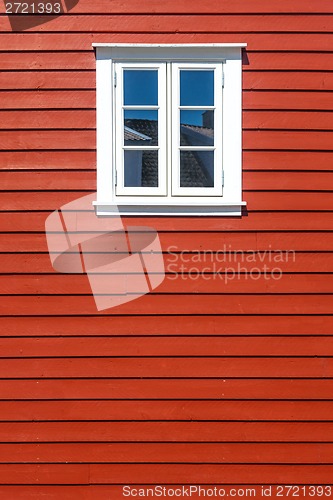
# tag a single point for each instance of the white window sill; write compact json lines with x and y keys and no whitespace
{"x":227,"y":209}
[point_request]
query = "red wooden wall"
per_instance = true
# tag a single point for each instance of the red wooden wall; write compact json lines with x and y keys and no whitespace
{"x":234,"y":382}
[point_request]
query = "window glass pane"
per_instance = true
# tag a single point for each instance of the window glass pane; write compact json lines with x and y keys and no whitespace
{"x":140,"y":168}
{"x":140,"y":127}
{"x":197,"y":169}
{"x":140,"y":87}
{"x":197,"y":128}
{"x":197,"y":88}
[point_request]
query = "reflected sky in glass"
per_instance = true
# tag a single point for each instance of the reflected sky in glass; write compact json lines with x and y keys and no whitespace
{"x":140,"y":87}
{"x":199,"y":118}
{"x":141,"y":114}
{"x":197,"y":88}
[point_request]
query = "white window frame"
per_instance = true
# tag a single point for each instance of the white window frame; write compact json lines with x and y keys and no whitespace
{"x":169,"y":199}
{"x":217,"y":190}
{"x":120,"y":189}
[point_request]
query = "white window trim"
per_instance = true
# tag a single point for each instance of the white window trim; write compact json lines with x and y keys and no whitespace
{"x":217,"y":190}
{"x":161,"y":190}
{"x":231,"y":202}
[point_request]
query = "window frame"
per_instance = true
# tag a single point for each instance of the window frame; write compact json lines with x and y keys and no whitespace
{"x":120,"y":189}
{"x":177,"y":190}
{"x":226,"y":56}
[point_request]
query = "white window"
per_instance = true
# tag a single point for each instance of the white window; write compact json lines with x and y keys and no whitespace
{"x":169,"y":133}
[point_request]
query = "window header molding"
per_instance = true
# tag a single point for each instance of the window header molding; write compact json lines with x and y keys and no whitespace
{"x":194,"y":51}
{"x":168,"y":45}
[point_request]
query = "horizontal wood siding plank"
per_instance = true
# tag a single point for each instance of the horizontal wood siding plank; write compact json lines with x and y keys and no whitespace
{"x":256,"y":221}
{"x":38,"y":200}
{"x":156,"y":305}
{"x":35,"y":60}
{"x":252,"y":160}
{"x":293,"y":140}
{"x":166,"y":431}
{"x":170,"y":23}
{"x":178,"y":346}
{"x":49,"y":80}
{"x":86,"y":119}
{"x":83,"y":61}
{"x":207,"y":453}
{"x":256,"y":411}
{"x":85,"y":99}
{"x":48,"y":139}
{"x":270,"y":201}
{"x":63,"y":99}
{"x":59,"y":119}
{"x":44,"y":474}
{"x":267,"y":201}
{"x":263,"y":474}
{"x":188,"y":278}
{"x":86,"y":180}
{"x":286,"y":181}
{"x":39,"y":263}
{"x":300,"y":61}
{"x":309,"y":101}
{"x":291,"y":120}
{"x":48,"y":160}
{"x":67,"y":41}
{"x":38,"y":180}
{"x":287,"y":160}
{"x":265,"y":79}
{"x":86,"y":139}
{"x":163,"y":389}
{"x":59,"y":474}
{"x":241,"y":242}
{"x":210,"y":7}
{"x":277,"y":324}
{"x":288,"y":80}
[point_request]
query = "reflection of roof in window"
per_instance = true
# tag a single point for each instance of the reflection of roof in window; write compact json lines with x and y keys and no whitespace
{"x":146,"y":128}
{"x":134,"y":135}
{"x":207,"y":132}
{"x":193,"y":173}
